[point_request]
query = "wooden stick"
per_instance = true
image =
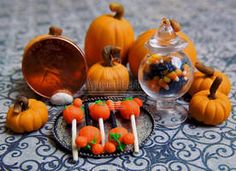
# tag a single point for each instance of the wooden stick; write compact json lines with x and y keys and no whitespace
{"x":73,"y":145}
{"x":134,"y":130}
{"x":102,"y":130}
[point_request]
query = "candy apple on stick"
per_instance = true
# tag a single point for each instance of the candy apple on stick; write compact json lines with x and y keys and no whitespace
{"x":100,"y":112}
{"x":118,"y":136}
{"x":129,"y":109}
{"x":74,"y":114}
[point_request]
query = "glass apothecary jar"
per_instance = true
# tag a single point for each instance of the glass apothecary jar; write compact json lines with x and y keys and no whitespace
{"x":166,"y":73}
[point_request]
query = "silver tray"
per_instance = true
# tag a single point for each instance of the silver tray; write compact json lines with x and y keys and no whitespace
{"x":145,"y":126}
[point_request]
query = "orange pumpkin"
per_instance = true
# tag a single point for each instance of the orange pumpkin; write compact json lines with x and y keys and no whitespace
{"x":119,"y":137}
{"x":205,"y":77}
{"x":110,"y":147}
{"x":129,"y":107}
{"x":73,"y":112}
{"x":99,"y":110}
{"x":108,"y":30}
{"x":118,"y":130}
{"x":97,"y":149}
{"x":27,"y":115}
{"x":138,"y":50}
{"x":210,"y":108}
{"x":108,"y":75}
{"x":88,"y":135}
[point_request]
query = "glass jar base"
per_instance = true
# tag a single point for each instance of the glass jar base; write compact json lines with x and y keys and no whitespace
{"x":172,"y":117}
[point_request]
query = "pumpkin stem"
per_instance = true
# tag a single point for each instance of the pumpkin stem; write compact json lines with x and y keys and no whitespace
{"x":21,"y":104}
{"x":110,"y":54}
{"x":214,"y":86}
{"x":175,"y":25}
{"x":118,"y":9}
{"x":56,"y":31}
{"x":208,"y":71}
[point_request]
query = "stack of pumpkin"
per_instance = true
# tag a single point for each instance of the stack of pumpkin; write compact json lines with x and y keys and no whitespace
{"x":105,"y":34}
{"x":209,"y":103}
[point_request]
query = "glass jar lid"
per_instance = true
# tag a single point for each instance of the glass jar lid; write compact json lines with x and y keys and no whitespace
{"x":166,"y":40}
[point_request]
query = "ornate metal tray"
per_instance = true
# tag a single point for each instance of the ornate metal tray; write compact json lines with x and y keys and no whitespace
{"x":145,"y":126}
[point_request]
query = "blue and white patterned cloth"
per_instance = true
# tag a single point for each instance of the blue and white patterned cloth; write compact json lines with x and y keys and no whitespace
{"x":210,"y":24}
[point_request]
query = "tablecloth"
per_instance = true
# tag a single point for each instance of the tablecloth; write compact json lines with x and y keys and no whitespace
{"x":190,"y":146}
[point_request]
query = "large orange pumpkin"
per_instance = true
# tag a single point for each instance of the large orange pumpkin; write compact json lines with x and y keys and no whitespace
{"x":27,"y":115}
{"x":204,"y":77}
{"x":108,"y":29}
{"x":138,"y":50}
{"x":210,"y":107}
{"x":108,"y":75}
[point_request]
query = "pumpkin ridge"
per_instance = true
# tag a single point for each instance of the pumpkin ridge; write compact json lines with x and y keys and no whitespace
{"x":194,"y":103}
{"x":204,"y":108}
{"x":203,"y":82}
{"x":117,"y":76}
{"x":123,"y":43}
{"x":94,"y":77}
{"x":116,"y":34}
{"x":25,"y":117}
{"x":16,"y":120}
{"x":218,"y":118}
{"x":226,"y":84}
{"x":37,"y":119}
{"x":210,"y":110}
{"x":224,"y":105}
{"x":197,"y":84}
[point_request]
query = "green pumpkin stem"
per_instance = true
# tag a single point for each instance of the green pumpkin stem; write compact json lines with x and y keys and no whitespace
{"x":21,"y":104}
{"x":118,"y":9}
{"x":115,"y":137}
{"x":110,"y":54}
{"x":129,"y":98}
{"x":214,"y":86}
{"x":208,"y":71}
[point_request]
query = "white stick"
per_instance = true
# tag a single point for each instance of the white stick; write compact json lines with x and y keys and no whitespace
{"x":73,"y":145}
{"x":134,"y":130}
{"x":102,"y":130}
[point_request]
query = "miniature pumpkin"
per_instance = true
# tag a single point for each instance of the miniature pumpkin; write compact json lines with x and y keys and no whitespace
{"x":99,"y":110}
{"x":97,"y":149}
{"x":108,"y":30}
{"x":120,"y":137}
{"x":210,"y":108}
{"x":118,"y":130}
{"x":73,"y":112}
{"x":205,"y":77}
{"x":108,"y":75}
{"x":138,"y":50}
{"x":77,"y":102}
{"x":27,"y":115}
{"x":129,"y":107}
{"x":110,"y":147}
{"x":88,"y":136}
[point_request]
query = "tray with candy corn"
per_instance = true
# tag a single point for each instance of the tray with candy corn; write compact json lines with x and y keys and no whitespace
{"x":110,"y":126}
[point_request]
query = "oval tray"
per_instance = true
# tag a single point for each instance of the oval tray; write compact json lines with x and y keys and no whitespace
{"x":145,"y":126}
